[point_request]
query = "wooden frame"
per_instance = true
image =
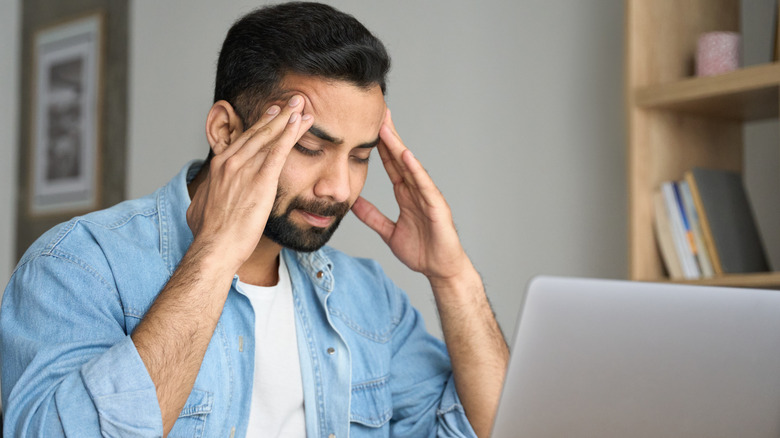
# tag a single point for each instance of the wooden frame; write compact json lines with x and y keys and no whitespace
{"x":677,"y":121}
{"x":103,"y":183}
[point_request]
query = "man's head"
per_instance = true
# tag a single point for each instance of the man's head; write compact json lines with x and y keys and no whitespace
{"x":340,"y":69}
{"x":308,"y":39}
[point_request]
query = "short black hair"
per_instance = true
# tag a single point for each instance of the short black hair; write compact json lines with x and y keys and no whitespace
{"x":298,"y":37}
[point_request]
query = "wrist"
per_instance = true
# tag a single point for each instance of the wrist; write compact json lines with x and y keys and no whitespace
{"x":465,"y":279}
{"x":211,"y":260}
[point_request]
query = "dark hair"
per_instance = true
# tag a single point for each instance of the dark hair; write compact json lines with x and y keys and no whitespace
{"x":299,"y":37}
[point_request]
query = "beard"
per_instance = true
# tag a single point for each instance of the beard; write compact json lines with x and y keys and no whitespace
{"x":282,"y":230}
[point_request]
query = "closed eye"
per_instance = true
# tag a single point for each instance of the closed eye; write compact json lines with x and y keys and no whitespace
{"x":361,"y":160}
{"x":307,"y":151}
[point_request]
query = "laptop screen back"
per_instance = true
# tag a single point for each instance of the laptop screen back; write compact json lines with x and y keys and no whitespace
{"x":605,"y":358}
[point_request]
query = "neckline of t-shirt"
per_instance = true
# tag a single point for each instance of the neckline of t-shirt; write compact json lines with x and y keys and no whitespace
{"x":268,"y":291}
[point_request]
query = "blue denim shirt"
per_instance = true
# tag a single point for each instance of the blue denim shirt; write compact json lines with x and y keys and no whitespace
{"x":69,"y":366}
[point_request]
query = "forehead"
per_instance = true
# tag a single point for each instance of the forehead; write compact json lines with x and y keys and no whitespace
{"x":348,"y":112}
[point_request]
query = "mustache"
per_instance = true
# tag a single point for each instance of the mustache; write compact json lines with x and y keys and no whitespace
{"x":319,"y":207}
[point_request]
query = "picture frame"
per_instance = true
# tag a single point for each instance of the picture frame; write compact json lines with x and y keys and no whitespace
{"x":65,"y":147}
{"x":81,"y":44}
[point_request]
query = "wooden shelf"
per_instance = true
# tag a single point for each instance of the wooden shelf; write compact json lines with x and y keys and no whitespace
{"x":765,"y":280}
{"x":747,"y":94}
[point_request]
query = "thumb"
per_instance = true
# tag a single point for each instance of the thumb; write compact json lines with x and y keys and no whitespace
{"x":373,"y":218}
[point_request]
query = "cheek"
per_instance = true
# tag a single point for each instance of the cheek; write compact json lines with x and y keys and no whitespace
{"x":295,"y":175}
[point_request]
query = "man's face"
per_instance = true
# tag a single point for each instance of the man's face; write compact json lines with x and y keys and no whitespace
{"x":326,"y":170}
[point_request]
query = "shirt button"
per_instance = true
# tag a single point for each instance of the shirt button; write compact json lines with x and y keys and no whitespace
{"x":320,"y":274}
{"x":331,"y":350}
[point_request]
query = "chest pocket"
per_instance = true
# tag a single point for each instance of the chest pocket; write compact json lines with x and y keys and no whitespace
{"x":192,"y":419}
{"x":371,"y":406}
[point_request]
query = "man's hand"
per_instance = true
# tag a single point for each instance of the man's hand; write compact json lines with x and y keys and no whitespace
{"x":228,"y":214}
{"x":230,"y":209}
{"x":424,"y":236}
{"x":424,"y":239}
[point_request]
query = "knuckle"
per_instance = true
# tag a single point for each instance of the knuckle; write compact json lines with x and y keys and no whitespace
{"x":262,"y":131}
{"x":232,"y":164}
{"x":217,"y":161}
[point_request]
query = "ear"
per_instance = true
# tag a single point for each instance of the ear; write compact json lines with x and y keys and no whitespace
{"x":223,"y":126}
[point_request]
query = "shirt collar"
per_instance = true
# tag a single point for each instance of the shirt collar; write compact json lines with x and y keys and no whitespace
{"x":172,"y":204}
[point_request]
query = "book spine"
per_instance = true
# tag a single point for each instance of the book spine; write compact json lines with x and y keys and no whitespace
{"x":663,"y":231}
{"x":703,"y":256}
{"x":706,"y":231}
{"x":690,"y":269}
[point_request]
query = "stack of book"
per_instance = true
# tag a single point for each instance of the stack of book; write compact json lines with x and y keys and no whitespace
{"x":705,"y":226}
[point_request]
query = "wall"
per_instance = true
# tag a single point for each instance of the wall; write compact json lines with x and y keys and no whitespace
{"x":9,"y":118}
{"x":762,"y":154}
{"x":515,"y":109}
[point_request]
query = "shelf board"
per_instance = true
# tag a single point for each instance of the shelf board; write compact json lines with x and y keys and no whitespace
{"x":765,"y":280}
{"x":747,"y":94}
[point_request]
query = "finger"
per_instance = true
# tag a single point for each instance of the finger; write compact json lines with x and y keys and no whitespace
{"x":387,"y":161}
{"x":395,"y":148}
{"x":260,"y":137}
{"x":272,"y":162}
{"x":371,"y":216}
{"x":271,"y":113}
{"x":394,"y":143}
{"x":422,"y":180}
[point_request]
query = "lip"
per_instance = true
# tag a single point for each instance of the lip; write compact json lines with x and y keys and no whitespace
{"x":314,"y":220}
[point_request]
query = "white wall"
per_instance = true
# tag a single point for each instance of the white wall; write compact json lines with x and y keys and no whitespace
{"x":10,"y":26}
{"x":515,"y":108}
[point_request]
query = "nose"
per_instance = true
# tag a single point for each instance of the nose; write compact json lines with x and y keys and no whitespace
{"x":333,"y":182}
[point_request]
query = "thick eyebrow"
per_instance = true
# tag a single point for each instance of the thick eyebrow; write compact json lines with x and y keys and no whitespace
{"x":322,"y":135}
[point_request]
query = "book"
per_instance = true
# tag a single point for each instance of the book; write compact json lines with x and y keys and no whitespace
{"x":663,"y":233}
{"x":681,"y":243}
{"x":702,"y":254}
{"x":728,"y":225}
{"x":686,"y":226}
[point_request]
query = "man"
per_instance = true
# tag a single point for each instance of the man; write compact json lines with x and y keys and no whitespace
{"x":211,"y":307}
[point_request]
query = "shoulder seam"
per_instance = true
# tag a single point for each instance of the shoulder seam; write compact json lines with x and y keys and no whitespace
{"x":70,"y":225}
{"x":62,"y":255}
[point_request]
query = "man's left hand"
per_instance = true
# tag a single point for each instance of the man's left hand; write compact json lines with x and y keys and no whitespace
{"x":424,"y":236}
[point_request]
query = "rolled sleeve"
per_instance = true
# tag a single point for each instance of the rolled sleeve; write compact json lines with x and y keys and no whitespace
{"x":425,"y":402}
{"x":68,"y":366}
{"x":123,"y":392}
{"x":452,"y":419}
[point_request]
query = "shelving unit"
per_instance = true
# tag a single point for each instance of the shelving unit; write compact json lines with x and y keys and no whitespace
{"x":677,"y":121}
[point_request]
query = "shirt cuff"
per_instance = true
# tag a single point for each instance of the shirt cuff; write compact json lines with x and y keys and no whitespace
{"x":123,"y":392}
{"x":452,"y":417}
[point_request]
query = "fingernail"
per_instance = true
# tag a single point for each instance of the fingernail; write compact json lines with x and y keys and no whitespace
{"x":295,"y":100}
{"x":273,"y":110}
{"x":294,"y":117}
{"x":306,"y":117}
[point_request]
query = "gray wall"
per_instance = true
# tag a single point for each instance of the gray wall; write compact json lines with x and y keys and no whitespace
{"x":515,"y":108}
{"x":10,"y":26}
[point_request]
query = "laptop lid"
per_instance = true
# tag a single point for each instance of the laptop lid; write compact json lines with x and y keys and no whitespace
{"x":606,"y":358}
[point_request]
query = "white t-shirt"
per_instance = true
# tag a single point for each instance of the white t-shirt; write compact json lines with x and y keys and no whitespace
{"x":277,"y":392}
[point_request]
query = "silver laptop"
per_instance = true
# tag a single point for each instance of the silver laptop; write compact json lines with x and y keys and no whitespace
{"x":605,"y":358}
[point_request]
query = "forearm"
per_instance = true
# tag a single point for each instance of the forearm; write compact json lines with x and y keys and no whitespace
{"x":173,"y":336}
{"x":477,"y":348}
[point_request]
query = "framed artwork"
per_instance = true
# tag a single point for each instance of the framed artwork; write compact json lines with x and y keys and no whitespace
{"x":73,"y":112}
{"x":65,"y":120}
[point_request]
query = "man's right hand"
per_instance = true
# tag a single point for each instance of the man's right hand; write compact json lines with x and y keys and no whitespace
{"x":230,"y":208}
{"x":227,"y":216}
